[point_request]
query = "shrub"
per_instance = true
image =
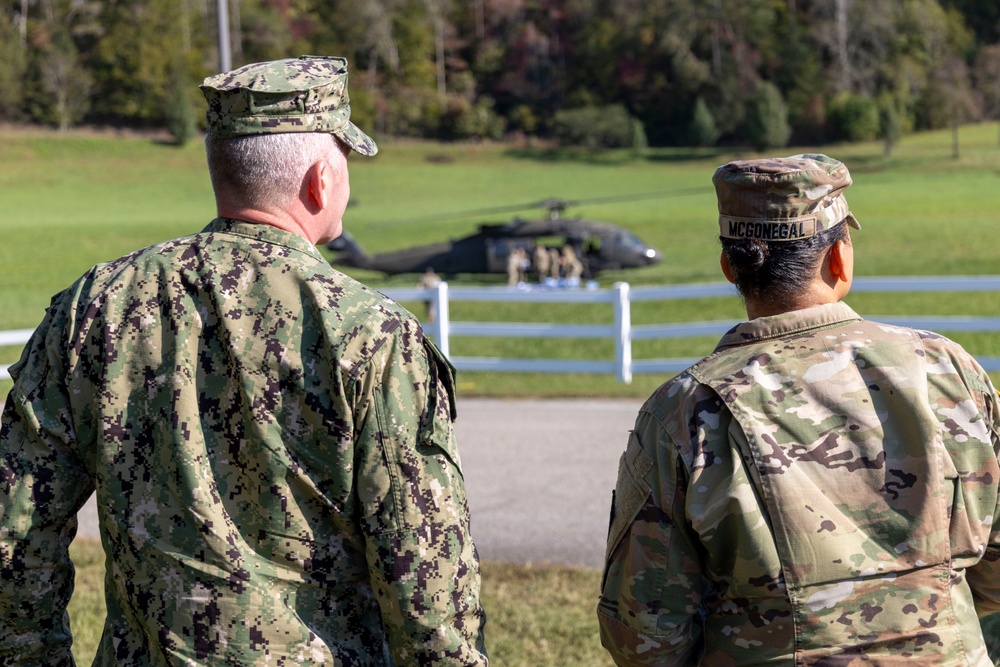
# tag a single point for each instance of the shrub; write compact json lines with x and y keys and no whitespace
{"x":598,"y":127}
{"x":767,"y":118}
{"x":524,"y":119}
{"x":704,"y":131}
{"x":182,"y":122}
{"x":462,"y":120}
{"x":854,"y":117}
{"x":889,"y":121}
{"x":639,"y":141}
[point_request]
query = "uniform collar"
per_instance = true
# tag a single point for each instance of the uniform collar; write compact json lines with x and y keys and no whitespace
{"x":262,"y":232}
{"x":787,"y":324}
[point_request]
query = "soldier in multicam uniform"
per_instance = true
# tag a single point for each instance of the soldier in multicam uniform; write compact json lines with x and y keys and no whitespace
{"x":821,"y":490}
{"x":270,"y":441}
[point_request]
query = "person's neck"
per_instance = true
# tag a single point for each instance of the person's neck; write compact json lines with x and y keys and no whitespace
{"x":820,"y":297}
{"x":279,"y":219}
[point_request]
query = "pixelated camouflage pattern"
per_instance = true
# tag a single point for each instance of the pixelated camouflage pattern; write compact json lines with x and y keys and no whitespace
{"x":782,"y":199}
{"x":272,"y":449}
{"x":304,"y":94}
{"x":822,"y":490}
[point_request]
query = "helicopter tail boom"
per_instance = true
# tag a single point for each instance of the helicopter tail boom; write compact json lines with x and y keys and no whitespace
{"x":349,"y":252}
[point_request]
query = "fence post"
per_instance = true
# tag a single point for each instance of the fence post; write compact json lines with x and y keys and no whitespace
{"x":442,"y":322}
{"x":623,"y":329}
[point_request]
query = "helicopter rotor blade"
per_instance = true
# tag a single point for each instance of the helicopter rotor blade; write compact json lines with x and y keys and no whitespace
{"x":546,"y":204}
{"x":637,"y":196}
{"x":455,"y":215}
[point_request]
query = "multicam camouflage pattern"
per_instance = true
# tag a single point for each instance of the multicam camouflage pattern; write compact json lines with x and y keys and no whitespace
{"x":822,"y":490}
{"x":305,"y":94}
{"x":782,"y":199}
{"x":272,"y":449}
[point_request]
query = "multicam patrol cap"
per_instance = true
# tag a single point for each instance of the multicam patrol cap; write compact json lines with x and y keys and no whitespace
{"x":782,"y":199}
{"x":304,"y":94}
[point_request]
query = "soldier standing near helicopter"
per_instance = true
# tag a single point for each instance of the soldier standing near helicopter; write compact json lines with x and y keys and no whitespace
{"x":572,"y":267}
{"x":555,"y":264}
{"x":513,"y":268}
{"x":541,"y":262}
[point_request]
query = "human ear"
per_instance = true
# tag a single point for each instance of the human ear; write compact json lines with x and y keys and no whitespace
{"x":727,"y":270}
{"x":317,"y":181}
{"x":837,"y":261}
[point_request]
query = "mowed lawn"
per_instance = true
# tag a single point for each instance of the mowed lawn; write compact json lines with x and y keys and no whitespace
{"x":71,"y":201}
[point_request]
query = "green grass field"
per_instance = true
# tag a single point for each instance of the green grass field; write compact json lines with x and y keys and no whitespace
{"x":71,"y":201}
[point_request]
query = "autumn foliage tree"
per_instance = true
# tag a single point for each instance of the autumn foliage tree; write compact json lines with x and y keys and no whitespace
{"x":691,"y":72}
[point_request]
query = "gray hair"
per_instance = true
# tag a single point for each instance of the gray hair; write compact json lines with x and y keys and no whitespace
{"x":265,"y":171}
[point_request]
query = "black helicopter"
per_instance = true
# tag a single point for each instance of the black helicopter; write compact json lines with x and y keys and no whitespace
{"x":600,"y":246}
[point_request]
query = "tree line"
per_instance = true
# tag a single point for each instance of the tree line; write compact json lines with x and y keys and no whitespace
{"x":600,"y":74}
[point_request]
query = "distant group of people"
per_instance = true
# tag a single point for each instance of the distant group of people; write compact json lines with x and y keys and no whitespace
{"x":273,"y":454}
{"x":429,"y":280}
{"x":548,"y":264}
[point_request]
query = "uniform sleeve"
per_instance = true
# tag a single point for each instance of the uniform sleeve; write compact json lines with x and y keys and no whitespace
{"x":42,"y":486}
{"x":967,"y":405}
{"x":423,"y":563}
{"x":984,"y":576}
{"x":652,"y":583}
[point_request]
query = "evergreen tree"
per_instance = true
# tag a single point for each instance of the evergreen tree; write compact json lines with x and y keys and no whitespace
{"x":890,"y":127}
{"x":767,"y":118}
{"x":854,"y":117}
{"x":181,"y":120}
{"x":704,"y":132}
{"x":460,"y":68}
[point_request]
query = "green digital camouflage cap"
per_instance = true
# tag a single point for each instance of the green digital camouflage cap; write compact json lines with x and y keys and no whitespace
{"x":304,"y":94}
{"x":782,"y":199}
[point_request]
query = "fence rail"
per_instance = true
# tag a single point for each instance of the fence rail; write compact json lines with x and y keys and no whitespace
{"x":11,"y":338}
{"x":620,"y":297}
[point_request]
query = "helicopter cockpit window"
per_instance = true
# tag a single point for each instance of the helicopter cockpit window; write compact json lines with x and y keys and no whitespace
{"x":630,"y":241}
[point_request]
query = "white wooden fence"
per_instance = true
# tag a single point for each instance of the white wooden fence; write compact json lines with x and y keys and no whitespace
{"x":620,"y":297}
{"x":11,"y":338}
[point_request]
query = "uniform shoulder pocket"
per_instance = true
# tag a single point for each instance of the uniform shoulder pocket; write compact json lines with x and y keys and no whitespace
{"x":631,"y":490}
{"x":442,"y":371}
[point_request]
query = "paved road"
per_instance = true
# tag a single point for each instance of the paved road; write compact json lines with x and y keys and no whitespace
{"x":539,"y":476}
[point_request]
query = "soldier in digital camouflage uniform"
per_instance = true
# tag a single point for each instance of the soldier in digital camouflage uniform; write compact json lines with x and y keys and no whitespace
{"x":821,"y":490}
{"x":270,"y":441}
